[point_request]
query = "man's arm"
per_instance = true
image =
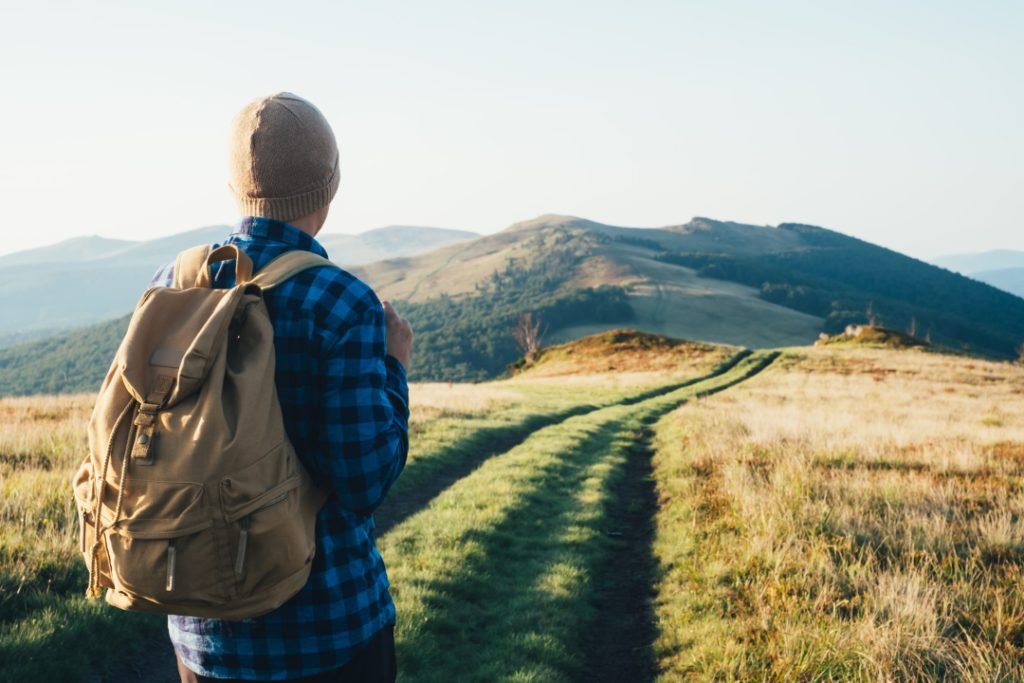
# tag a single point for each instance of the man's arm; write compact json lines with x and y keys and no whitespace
{"x":366,"y":415}
{"x":164,"y":276}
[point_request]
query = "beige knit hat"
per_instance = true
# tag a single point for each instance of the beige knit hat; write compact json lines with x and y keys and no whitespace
{"x":284,"y":159}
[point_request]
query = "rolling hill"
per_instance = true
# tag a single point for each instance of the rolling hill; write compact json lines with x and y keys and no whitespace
{"x":705,"y":280}
{"x":89,"y":279}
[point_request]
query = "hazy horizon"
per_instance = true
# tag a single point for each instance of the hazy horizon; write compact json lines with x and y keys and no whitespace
{"x":897,"y":125}
{"x":324,"y":235}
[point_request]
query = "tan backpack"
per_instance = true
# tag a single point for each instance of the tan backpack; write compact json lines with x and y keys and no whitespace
{"x":192,"y":500}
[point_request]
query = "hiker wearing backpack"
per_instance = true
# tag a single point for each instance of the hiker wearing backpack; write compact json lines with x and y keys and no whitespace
{"x":192,"y":502}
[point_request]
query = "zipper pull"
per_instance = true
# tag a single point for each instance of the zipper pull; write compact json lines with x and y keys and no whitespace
{"x":171,"y":555}
{"x":243,"y":541}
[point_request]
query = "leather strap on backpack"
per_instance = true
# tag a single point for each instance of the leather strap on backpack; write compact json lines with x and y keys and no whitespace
{"x":190,"y":266}
{"x":288,"y":265}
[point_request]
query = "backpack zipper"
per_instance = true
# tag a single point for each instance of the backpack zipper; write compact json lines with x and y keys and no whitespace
{"x":243,"y":541}
{"x":171,"y":557}
{"x":243,"y":535}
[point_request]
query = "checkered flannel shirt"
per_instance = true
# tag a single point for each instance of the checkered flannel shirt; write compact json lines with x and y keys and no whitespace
{"x":345,"y":407}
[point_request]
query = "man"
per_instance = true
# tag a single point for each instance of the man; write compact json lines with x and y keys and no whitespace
{"x":341,"y":363}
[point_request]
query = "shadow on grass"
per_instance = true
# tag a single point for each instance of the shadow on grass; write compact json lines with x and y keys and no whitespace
{"x":76,"y":639}
{"x":532,"y":596}
{"x":426,"y":478}
{"x":512,"y":610}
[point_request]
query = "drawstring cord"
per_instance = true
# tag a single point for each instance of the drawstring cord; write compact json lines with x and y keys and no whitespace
{"x":94,"y":590}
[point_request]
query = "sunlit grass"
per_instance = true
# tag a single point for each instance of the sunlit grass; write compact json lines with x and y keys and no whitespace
{"x":849,"y":514}
{"x":496,"y":578}
{"x":43,"y":440}
{"x":848,"y":517}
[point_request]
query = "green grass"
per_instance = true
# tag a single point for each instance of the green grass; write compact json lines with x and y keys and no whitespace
{"x":494,"y":580}
{"x":42,"y":576}
{"x":851,"y":514}
{"x":499,"y":556}
{"x":67,"y":637}
{"x":445,"y":445}
{"x":48,"y":630}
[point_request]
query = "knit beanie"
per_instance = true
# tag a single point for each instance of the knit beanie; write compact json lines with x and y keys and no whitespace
{"x":284,"y":159}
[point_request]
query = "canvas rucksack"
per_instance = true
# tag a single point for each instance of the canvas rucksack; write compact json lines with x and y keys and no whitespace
{"x":192,"y":500}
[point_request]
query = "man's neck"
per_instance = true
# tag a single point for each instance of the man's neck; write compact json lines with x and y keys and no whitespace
{"x":310,"y":224}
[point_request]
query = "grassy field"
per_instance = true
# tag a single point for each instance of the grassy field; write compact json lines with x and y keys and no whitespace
{"x":852,"y":515}
{"x":630,"y":513}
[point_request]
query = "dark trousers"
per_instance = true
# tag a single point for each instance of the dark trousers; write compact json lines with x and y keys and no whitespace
{"x":374,"y":663}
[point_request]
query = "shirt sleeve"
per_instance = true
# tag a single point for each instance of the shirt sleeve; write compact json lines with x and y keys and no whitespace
{"x":366,"y":415}
{"x":164,"y":276}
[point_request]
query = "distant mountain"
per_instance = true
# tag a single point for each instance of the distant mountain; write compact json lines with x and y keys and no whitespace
{"x":88,"y":279}
{"x":389,"y":242}
{"x":74,"y":249}
{"x":968,"y":264}
{"x":1007,"y":279}
{"x":705,"y":280}
{"x":1002,"y":268}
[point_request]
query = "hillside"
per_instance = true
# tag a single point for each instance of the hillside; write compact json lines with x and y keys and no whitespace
{"x":610,"y":354}
{"x":576,"y":255}
{"x":89,"y":279}
{"x":714,"y":281}
{"x":706,"y":280}
{"x":66,"y":363}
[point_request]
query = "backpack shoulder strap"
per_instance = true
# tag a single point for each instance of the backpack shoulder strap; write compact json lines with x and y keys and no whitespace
{"x":288,"y":265}
{"x":190,"y":268}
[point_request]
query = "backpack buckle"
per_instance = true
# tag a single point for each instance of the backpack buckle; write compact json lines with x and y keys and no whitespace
{"x":146,"y":415}
{"x":145,"y":419}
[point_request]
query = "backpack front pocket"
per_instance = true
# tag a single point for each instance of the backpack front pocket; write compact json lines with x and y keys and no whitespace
{"x":161,"y":567}
{"x":165,"y":547}
{"x":270,"y":539}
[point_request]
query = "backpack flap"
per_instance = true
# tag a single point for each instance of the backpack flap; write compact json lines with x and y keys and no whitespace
{"x":178,"y":334}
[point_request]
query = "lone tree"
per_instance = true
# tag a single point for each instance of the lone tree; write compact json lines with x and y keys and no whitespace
{"x":529,"y":334}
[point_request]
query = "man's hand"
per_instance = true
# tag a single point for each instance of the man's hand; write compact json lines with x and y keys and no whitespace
{"x":399,"y":335}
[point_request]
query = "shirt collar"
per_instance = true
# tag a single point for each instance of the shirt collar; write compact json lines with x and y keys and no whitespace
{"x":258,"y":227}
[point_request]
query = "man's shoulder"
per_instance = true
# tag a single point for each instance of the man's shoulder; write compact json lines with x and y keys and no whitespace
{"x":331,"y":287}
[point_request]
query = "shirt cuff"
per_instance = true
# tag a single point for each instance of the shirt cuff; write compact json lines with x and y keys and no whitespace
{"x":396,"y":381}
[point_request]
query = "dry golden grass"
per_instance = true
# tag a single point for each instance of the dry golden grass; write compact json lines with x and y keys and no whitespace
{"x":434,"y":400}
{"x":848,"y":515}
{"x":624,"y":357}
{"x":42,"y":440}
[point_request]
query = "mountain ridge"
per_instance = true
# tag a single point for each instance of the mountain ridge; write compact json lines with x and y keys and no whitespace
{"x":107,"y":276}
{"x":706,"y":281}
{"x":978,"y":262}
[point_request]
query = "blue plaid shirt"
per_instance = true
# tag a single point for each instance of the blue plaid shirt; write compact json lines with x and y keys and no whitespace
{"x":346,"y":411}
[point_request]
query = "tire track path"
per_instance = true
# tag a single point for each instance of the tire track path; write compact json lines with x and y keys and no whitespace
{"x":620,"y":642}
{"x":158,"y":666}
{"x":493,"y":442}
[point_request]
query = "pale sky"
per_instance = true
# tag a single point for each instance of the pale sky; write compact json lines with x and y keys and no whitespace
{"x":897,"y":122}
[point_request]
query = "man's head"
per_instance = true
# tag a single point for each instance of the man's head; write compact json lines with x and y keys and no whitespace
{"x":284,"y":159}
